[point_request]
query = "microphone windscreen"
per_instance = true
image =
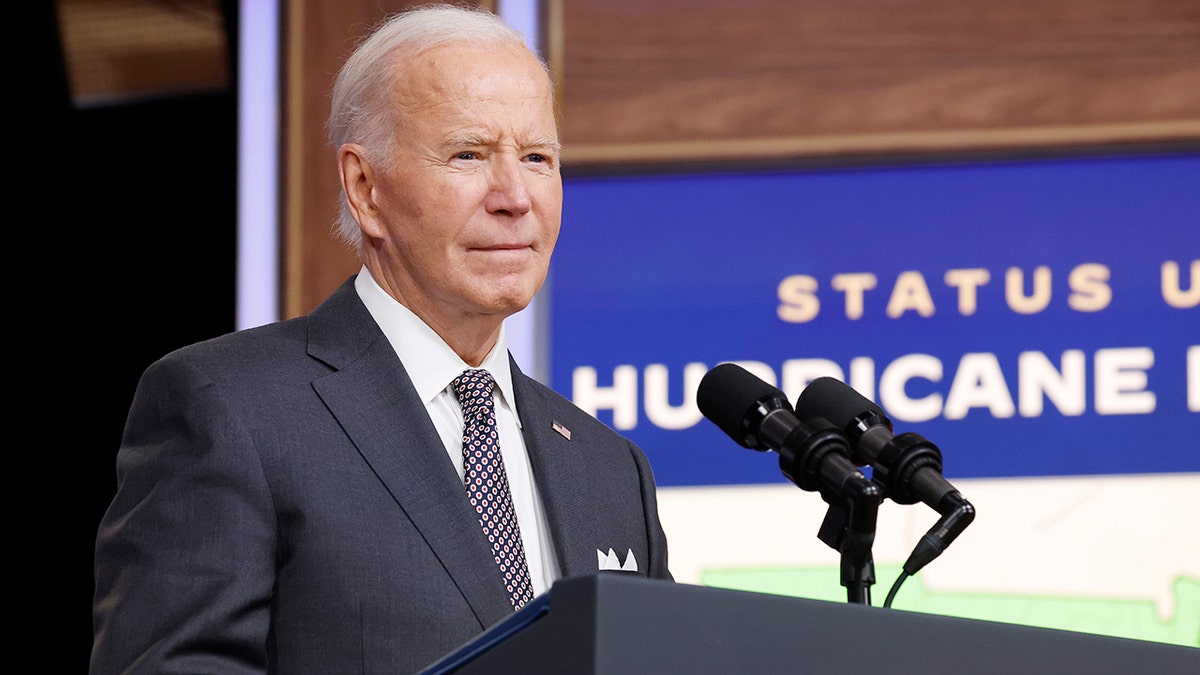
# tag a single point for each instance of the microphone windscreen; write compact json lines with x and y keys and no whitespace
{"x":728,"y":396}
{"x":834,"y":400}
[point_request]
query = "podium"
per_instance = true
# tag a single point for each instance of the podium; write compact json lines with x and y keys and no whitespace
{"x":622,"y":623}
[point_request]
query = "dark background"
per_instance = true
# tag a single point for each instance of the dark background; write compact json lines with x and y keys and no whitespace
{"x":121,"y":231}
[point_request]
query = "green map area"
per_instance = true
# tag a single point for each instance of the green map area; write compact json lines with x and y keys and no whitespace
{"x":1127,"y":618}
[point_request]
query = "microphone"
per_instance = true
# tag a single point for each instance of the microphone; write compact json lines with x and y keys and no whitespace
{"x":812,"y":452}
{"x":908,"y":466}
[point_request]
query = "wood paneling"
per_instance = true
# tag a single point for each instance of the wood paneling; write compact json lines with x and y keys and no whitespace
{"x":664,"y":82}
{"x":681,"y":80}
{"x":121,"y":51}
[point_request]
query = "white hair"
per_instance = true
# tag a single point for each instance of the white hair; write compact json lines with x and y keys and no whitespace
{"x":361,"y":111}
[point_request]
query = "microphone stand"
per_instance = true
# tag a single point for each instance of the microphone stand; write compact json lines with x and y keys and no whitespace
{"x":849,"y":525}
{"x":849,"y":528}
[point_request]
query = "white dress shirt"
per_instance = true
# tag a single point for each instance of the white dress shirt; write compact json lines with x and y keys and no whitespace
{"x":432,"y":365}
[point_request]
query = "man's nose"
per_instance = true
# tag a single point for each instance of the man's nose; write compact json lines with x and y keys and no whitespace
{"x":508,"y":191}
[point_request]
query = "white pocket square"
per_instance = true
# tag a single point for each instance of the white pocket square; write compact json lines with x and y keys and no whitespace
{"x":609,"y":561}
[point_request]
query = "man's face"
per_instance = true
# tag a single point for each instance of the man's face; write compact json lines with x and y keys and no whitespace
{"x":471,"y":202}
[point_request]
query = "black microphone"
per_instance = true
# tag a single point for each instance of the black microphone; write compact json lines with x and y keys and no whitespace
{"x":908,"y":466}
{"x":812,"y":452}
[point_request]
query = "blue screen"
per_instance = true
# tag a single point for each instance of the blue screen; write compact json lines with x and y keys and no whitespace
{"x":1027,"y":317}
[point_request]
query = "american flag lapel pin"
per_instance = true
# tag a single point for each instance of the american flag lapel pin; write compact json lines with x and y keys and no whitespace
{"x":562,"y":431}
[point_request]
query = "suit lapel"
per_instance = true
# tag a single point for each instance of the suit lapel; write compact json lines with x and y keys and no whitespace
{"x":373,"y":399}
{"x":554,"y":463}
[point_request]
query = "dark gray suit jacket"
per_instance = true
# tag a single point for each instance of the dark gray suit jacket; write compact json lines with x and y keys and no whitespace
{"x":285,"y":504}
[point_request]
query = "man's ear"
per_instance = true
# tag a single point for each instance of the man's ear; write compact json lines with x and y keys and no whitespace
{"x":358,"y":184}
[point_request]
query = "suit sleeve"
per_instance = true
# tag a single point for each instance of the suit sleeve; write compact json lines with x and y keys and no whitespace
{"x":656,"y":538}
{"x":184,"y":564}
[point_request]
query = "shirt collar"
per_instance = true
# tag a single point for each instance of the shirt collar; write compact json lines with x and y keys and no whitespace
{"x":430,"y":363}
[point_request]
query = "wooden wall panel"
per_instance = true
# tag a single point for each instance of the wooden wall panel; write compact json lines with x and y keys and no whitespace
{"x":681,"y":80}
{"x":665,"y":82}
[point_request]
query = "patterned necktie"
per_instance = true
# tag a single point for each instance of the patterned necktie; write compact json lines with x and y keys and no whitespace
{"x":487,"y":482}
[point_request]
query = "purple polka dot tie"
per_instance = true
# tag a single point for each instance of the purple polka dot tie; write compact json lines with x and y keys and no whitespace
{"x":487,"y":482}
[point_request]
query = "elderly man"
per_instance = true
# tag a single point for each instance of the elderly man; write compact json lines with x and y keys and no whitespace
{"x":367,"y":487}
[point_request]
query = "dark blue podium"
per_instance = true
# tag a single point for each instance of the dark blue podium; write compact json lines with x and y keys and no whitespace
{"x":620,"y":623}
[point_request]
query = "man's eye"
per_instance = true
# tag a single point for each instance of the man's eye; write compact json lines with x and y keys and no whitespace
{"x":467,"y":155}
{"x":535,"y":157}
